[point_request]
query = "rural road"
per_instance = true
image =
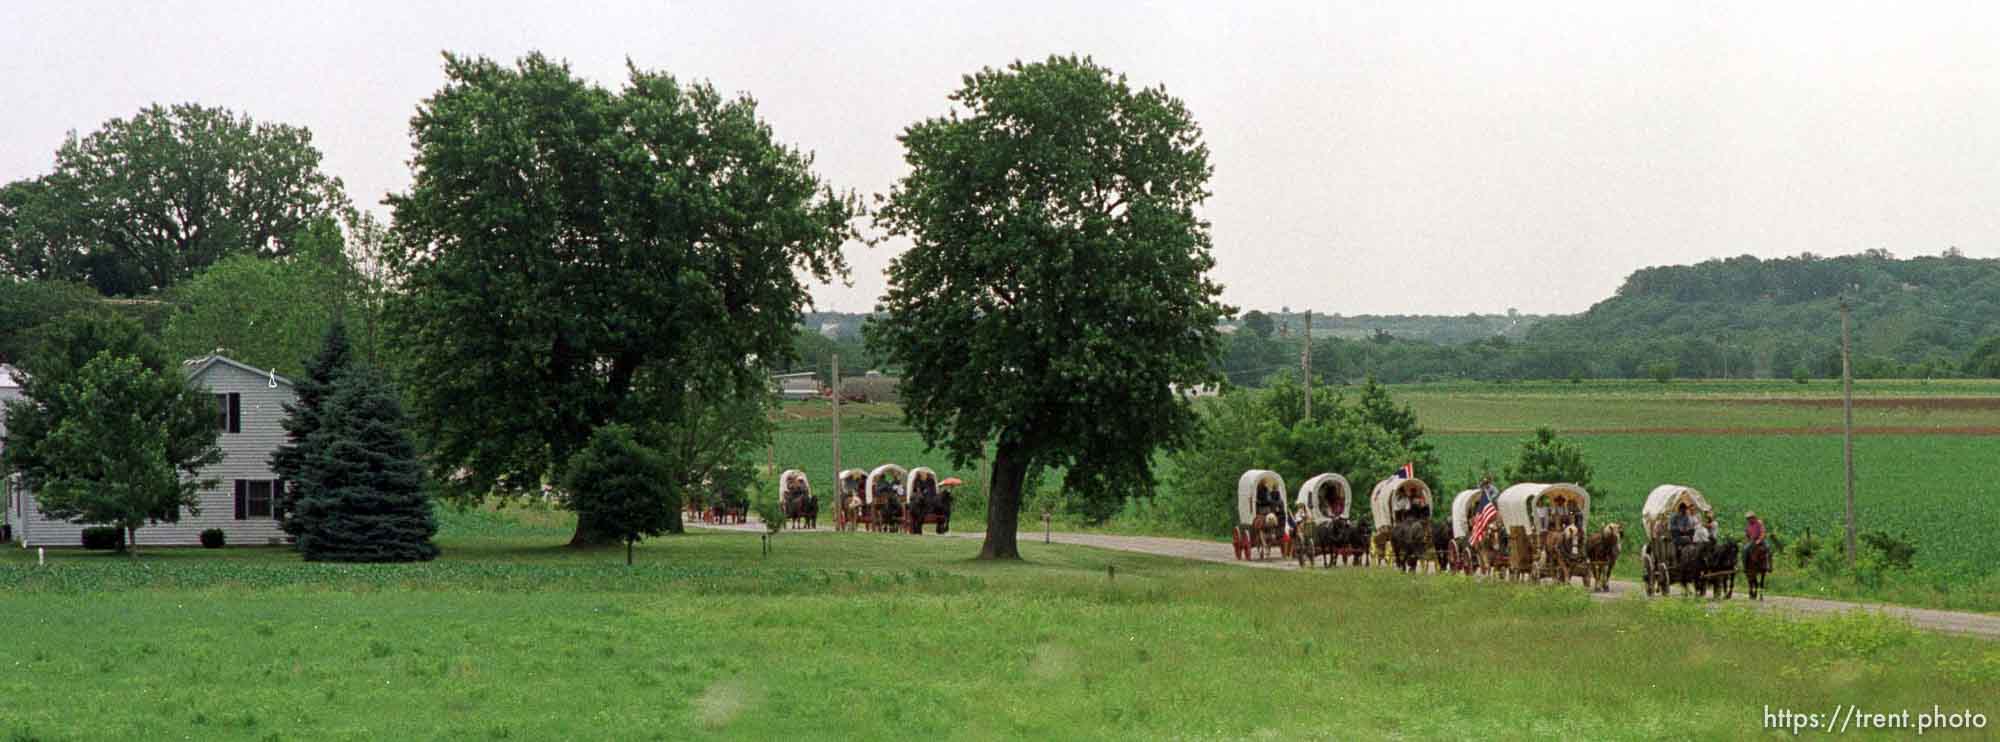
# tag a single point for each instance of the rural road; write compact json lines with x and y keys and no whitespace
{"x":1955,"y":622}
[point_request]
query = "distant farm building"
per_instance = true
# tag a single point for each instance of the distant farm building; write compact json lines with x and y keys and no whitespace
{"x":794,"y":386}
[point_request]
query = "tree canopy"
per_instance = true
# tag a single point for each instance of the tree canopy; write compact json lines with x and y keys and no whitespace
{"x":570,"y":257}
{"x":1056,"y":290}
{"x":147,"y":202}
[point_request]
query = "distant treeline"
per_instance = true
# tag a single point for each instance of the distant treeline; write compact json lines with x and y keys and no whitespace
{"x":1742,"y":317}
{"x":1738,"y":318}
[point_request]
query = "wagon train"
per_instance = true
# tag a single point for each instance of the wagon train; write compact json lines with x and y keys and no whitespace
{"x":926,"y":502}
{"x":851,"y":511}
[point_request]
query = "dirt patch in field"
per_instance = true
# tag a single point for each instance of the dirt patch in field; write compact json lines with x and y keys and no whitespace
{"x":722,"y":702}
{"x":1808,"y":430}
{"x":1870,"y":403}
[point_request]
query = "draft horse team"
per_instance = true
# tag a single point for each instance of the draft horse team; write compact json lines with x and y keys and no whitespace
{"x":1531,"y":532}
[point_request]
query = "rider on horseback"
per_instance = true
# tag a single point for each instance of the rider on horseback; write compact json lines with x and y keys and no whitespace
{"x":1753,"y":528}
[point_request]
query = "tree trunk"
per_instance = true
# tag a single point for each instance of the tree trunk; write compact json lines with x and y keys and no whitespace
{"x":1003,"y":503}
{"x":588,"y":534}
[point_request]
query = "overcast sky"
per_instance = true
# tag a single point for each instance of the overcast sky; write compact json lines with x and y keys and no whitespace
{"x":1391,"y":157}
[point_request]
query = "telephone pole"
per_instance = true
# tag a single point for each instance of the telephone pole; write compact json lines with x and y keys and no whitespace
{"x":1847,"y":423}
{"x":1307,"y":364}
{"x":836,"y":423}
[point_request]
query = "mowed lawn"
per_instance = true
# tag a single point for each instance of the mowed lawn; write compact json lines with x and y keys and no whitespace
{"x":880,"y":636}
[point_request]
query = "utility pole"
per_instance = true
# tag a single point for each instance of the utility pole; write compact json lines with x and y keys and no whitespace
{"x":836,"y":425}
{"x":1307,"y":364}
{"x":1847,"y":423}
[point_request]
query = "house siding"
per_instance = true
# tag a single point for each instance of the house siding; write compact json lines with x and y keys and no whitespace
{"x":246,"y":455}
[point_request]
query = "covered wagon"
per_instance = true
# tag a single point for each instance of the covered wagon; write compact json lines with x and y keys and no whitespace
{"x":851,"y":511}
{"x":1260,"y":515}
{"x":796,"y":500}
{"x":1544,"y":525}
{"x":1321,"y":524}
{"x":883,"y":497}
{"x":1696,"y":562}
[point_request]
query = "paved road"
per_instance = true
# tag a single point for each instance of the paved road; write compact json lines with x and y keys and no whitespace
{"x":1956,"y":622}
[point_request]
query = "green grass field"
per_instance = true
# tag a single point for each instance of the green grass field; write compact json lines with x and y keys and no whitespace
{"x":509,"y":636}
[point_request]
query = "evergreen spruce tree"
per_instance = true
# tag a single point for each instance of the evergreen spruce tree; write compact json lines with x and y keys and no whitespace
{"x":363,"y":498}
{"x":302,"y":420}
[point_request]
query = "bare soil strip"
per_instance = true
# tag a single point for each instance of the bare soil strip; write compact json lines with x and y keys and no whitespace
{"x":1980,"y":625}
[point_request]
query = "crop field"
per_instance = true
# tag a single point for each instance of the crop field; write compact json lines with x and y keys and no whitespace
{"x":1944,"y":407}
{"x":509,"y":636}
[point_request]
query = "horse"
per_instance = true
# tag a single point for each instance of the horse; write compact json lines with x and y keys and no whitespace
{"x":1441,"y":545}
{"x":1602,"y":549}
{"x":1267,"y":530}
{"x":850,"y":510}
{"x":1756,"y":566}
{"x":1410,"y":538}
{"x":1487,"y":548}
{"x":801,"y":509}
{"x":1556,"y":559}
{"x":1521,"y":557}
{"x":1719,"y":567}
{"x":1380,"y":546}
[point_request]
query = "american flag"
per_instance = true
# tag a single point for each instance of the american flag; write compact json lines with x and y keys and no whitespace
{"x":1483,"y":519}
{"x":1409,"y":471}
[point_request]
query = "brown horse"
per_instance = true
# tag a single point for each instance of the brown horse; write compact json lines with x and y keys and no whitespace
{"x":1756,"y":566}
{"x":1520,"y":556}
{"x":1487,"y":549}
{"x":1602,"y":548}
{"x":1381,"y":546}
{"x":1267,"y":531}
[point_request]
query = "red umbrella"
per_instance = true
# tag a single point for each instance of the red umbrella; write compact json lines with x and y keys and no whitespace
{"x":952,"y":482}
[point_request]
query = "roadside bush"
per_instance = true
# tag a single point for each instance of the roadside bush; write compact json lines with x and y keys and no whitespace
{"x":213,"y":538}
{"x":1805,"y":549}
{"x":104,"y":538}
{"x":1800,"y":374}
{"x":768,"y":509}
{"x":1894,"y":549}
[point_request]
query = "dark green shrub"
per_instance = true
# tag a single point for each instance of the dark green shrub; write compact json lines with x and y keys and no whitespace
{"x":104,"y":538}
{"x":213,"y":538}
{"x":1895,"y":549}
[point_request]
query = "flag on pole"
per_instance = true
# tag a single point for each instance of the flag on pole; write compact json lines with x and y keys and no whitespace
{"x":1409,"y":471}
{"x":1484,"y":519}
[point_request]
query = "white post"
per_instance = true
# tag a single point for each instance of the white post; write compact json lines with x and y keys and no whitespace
{"x":41,"y":557}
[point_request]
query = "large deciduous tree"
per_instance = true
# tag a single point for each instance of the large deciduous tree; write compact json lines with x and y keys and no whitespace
{"x":109,"y":431}
{"x":572,"y":257}
{"x":146,"y":202}
{"x":1056,"y":289}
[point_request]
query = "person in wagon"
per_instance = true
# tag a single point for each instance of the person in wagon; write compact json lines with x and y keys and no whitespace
{"x":1705,"y":532}
{"x":1683,"y":526}
{"x":1753,"y":528}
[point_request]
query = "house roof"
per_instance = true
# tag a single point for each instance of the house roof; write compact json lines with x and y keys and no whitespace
{"x":196,"y":366}
{"x":7,"y":377}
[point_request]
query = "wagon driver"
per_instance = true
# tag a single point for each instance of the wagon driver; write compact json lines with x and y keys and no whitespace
{"x":1683,"y":526}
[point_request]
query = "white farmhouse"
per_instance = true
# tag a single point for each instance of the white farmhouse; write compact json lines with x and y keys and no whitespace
{"x":249,"y":406}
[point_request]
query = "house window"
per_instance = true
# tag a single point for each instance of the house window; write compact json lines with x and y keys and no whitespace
{"x":229,"y":412}
{"x":253,"y":498}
